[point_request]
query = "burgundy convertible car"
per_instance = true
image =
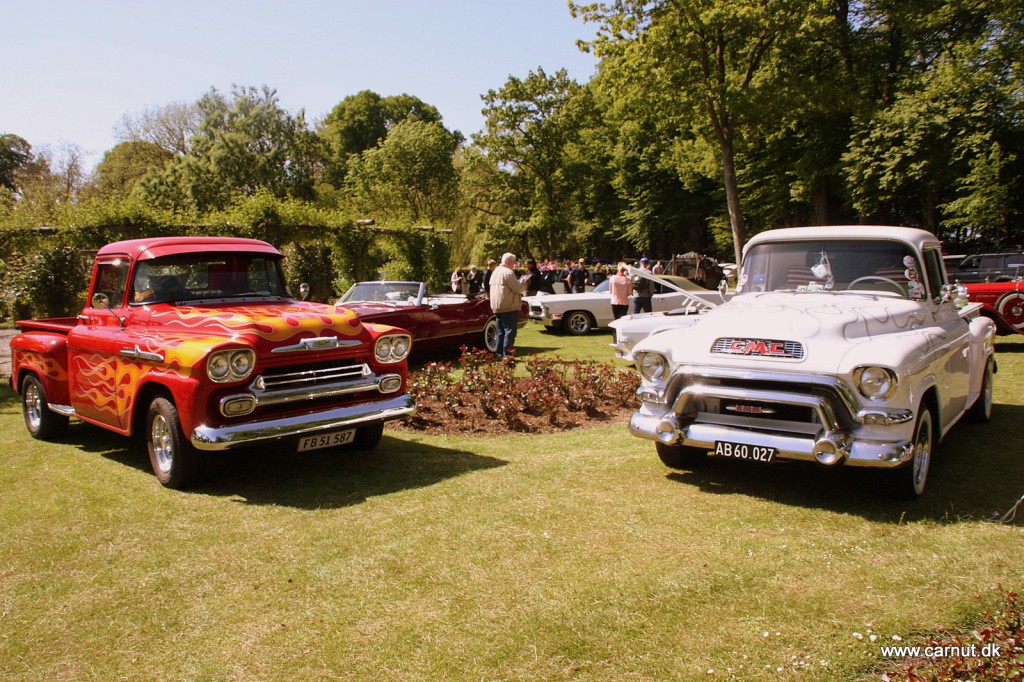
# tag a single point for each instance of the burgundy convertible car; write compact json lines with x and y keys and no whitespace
{"x":436,"y":321}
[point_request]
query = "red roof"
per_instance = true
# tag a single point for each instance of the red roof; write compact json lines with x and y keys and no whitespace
{"x":155,"y":247}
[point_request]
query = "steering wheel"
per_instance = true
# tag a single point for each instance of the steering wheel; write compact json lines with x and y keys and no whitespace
{"x":896,"y":285}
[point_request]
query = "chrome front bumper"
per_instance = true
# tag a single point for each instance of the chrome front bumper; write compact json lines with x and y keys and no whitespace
{"x":827,"y":442}
{"x":215,"y":438}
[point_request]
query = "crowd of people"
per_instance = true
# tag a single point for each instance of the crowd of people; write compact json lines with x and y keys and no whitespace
{"x":505,"y":284}
{"x":548,"y":276}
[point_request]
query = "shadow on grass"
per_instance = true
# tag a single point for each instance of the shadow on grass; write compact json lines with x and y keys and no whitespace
{"x":1009,"y":344}
{"x":320,"y":479}
{"x":977,"y":473}
{"x":8,"y":398}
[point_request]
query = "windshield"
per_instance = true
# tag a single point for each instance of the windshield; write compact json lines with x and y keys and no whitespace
{"x":382,"y":292}
{"x":880,"y":267}
{"x":205,"y":276}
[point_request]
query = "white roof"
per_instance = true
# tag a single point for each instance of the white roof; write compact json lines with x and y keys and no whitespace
{"x":911,"y":235}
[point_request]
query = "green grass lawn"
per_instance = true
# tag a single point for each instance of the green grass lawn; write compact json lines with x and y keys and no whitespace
{"x":553,"y":557}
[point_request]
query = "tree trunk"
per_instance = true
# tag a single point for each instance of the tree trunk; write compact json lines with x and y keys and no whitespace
{"x":732,"y":195}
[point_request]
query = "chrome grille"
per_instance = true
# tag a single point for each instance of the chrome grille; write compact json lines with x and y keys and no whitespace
{"x":315,"y":374}
{"x":762,"y":348}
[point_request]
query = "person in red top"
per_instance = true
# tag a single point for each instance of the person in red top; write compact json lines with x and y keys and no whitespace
{"x":621,"y":288}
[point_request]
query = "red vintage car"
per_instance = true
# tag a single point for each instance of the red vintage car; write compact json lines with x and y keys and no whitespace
{"x":1003,"y":301}
{"x":436,"y":321}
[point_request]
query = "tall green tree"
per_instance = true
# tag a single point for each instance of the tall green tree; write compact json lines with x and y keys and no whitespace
{"x":362,"y":121}
{"x":941,"y":147}
{"x":409,"y":178}
{"x":530,"y":125}
{"x":15,"y":153}
{"x":245,"y":144}
{"x":711,"y":65}
{"x":123,"y":166}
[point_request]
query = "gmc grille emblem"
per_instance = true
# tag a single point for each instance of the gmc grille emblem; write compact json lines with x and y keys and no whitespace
{"x":770,"y":348}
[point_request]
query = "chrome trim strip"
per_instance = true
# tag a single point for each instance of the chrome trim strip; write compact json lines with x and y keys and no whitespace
{"x":139,"y":354}
{"x":686,"y":372}
{"x":265,"y":397}
{"x":318,"y":344}
{"x":888,"y":417}
{"x":686,"y":402}
{"x":213,"y":438}
{"x":64,"y":410}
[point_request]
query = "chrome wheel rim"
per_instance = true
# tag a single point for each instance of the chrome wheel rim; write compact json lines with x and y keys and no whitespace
{"x":160,"y":441}
{"x":33,"y":406}
{"x":579,"y":323}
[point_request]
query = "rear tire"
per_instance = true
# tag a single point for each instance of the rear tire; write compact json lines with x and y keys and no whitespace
{"x":491,"y":335}
{"x":908,"y":481}
{"x":981,"y":411}
{"x":171,"y":455}
{"x":42,"y":422}
{"x":1011,"y":307}
{"x":681,"y":456}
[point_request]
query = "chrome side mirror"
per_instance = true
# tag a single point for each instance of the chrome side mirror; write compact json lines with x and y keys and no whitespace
{"x":101,"y":301}
{"x":303,"y":291}
{"x":949,"y":292}
{"x":723,"y":288}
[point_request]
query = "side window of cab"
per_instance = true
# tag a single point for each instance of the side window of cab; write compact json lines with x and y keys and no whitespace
{"x":933,"y":266}
{"x":110,"y":283}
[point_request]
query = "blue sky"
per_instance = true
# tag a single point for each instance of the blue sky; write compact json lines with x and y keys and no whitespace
{"x":72,"y":68}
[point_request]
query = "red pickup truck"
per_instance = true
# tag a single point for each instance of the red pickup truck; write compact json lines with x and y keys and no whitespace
{"x":197,"y":343}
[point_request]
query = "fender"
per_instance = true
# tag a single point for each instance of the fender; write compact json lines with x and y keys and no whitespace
{"x":45,"y":355}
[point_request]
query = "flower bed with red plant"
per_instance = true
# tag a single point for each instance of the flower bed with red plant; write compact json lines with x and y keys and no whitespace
{"x":490,"y":396}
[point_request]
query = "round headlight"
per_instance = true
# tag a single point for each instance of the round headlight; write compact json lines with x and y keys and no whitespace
{"x":218,"y":367}
{"x":383,"y":349}
{"x":400,"y":347}
{"x":876,"y":383}
{"x":241,"y":363}
{"x":653,"y":366}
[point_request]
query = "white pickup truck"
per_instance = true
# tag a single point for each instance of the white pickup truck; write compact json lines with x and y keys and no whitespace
{"x":843,"y":345}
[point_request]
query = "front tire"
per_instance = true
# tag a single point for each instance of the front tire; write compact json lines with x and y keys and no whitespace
{"x":172,"y":457}
{"x":908,"y":481}
{"x":42,"y":422}
{"x":681,"y":456}
{"x":367,"y":437}
{"x":578,"y":323}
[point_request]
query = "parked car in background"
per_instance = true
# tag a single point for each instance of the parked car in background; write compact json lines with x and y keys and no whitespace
{"x":1003,"y":302}
{"x":987,"y":267}
{"x":577,"y":314}
{"x":436,"y":321}
{"x":632,"y":329}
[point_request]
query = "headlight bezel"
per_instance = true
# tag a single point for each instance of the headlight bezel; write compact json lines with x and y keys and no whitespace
{"x":392,"y":348}
{"x":652,"y":366}
{"x":876,"y":383}
{"x":237,"y":365}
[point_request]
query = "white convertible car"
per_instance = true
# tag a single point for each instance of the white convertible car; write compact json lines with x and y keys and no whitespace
{"x":579,"y":313}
